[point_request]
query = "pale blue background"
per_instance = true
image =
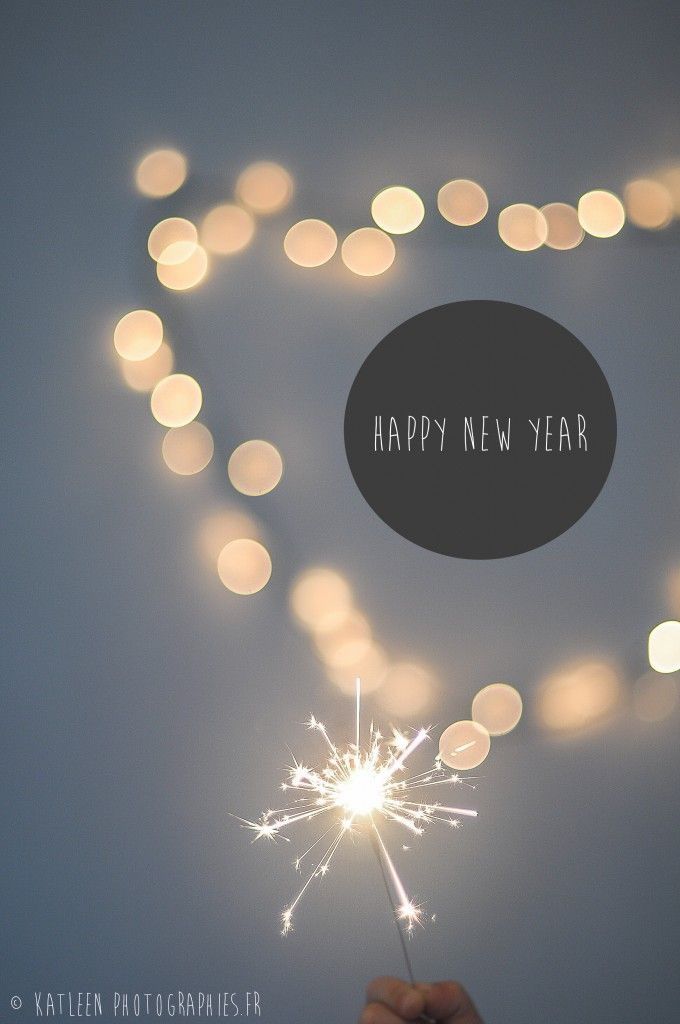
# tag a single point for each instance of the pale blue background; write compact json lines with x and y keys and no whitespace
{"x":141,"y":701}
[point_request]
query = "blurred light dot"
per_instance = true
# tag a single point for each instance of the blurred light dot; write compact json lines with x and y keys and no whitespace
{"x":398,"y":210}
{"x":161,"y":173}
{"x":138,"y":334}
{"x":166,"y":233}
{"x":649,"y":204}
{"x":464,"y":745}
{"x":664,"y":647}
{"x":244,"y":566}
{"x":462,"y":202}
{"x":182,"y":266}
{"x":522,"y":227}
{"x":176,"y":400}
{"x":320,"y":599}
{"x":368,"y":252}
{"x":227,"y":229}
{"x":310,"y":243}
{"x":577,"y":696}
{"x":189,"y":449}
{"x":407,"y":689}
{"x":370,"y":667}
{"x":498,"y":708}
{"x":218,"y":528}
{"x":145,"y":374}
{"x":655,"y":697}
{"x":601,"y":213}
{"x":265,"y":187}
{"x":347,"y":643}
{"x":564,"y":229}
{"x":255,"y":467}
{"x":670,"y":176}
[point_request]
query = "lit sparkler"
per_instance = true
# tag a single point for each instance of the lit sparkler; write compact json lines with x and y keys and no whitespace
{"x":360,"y":786}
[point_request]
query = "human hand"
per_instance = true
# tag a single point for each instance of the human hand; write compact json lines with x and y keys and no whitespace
{"x":392,"y":1001}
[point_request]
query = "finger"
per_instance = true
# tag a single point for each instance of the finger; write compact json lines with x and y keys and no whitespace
{"x":448,"y":1002}
{"x":402,"y":999}
{"x":378,"y":1013}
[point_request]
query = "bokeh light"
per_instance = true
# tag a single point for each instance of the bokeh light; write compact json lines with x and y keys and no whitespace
{"x":370,"y":667}
{"x":670,"y":176}
{"x":347,"y":643}
{"x":664,"y":647}
{"x":522,"y":227}
{"x":462,"y":202}
{"x":310,"y":243}
{"x":649,"y":204}
{"x":219,"y":528}
{"x":320,"y":598}
{"x":564,"y":229}
{"x":138,"y":334}
{"x":601,"y":213}
{"x":244,"y":566}
{"x":655,"y":696}
{"x":145,"y":374}
{"x":168,"y":232}
{"x":227,"y":229}
{"x":368,"y":252}
{"x":176,"y":400}
{"x":255,"y":467}
{"x":183,"y":266}
{"x":161,"y":173}
{"x":398,"y":210}
{"x":498,"y":708}
{"x":577,"y":696}
{"x":264,"y":187}
{"x":464,"y":745}
{"x":407,"y":690}
{"x":189,"y":449}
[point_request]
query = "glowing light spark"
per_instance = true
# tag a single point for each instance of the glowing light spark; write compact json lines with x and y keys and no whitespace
{"x":357,"y":787}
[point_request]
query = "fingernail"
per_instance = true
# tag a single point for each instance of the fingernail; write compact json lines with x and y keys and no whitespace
{"x":411,"y":1004}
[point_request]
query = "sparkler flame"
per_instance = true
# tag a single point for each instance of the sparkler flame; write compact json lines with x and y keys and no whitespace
{"x":357,"y":785}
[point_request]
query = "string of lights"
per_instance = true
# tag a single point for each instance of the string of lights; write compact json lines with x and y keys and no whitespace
{"x":322,"y":603}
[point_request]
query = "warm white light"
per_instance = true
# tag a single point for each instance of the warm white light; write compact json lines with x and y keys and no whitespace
{"x":227,"y":229}
{"x":564,"y":229}
{"x":189,"y":449}
{"x":368,"y":252}
{"x":649,"y":204}
{"x":370,"y":666}
{"x":464,"y":745}
{"x":145,"y":374}
{"x":218,"y":528}
{"x":244,"y":566}
{"x":522,"y":227}
{"x":176,"y":400}
{"x":182,"y":265}
{"x":578,"y":696}
{"x":362,"y":792}
{"x":397,"y":210}
{"x":138,"y":335}
{"x":265,"y":187}
{"x":320,"y":599}
{"x":498,"y":708}
{"x":347,"y":643}
{"x":255,"y":467}
{"x":310,"y":243}
{"x":407,"y":690}
{"x":601,"y":213}
{"x":462,"y":202}
{"x":168,"y":232}
{"x":161,"y":173}
{"x":664,"y":647}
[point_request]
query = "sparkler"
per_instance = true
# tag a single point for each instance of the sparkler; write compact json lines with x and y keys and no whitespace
{"x":358,"y":788}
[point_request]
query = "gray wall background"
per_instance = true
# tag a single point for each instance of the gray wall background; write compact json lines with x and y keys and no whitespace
{"x":141,"y":700}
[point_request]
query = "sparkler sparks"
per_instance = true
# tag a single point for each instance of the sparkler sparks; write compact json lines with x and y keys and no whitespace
{"x":357,"y":787}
